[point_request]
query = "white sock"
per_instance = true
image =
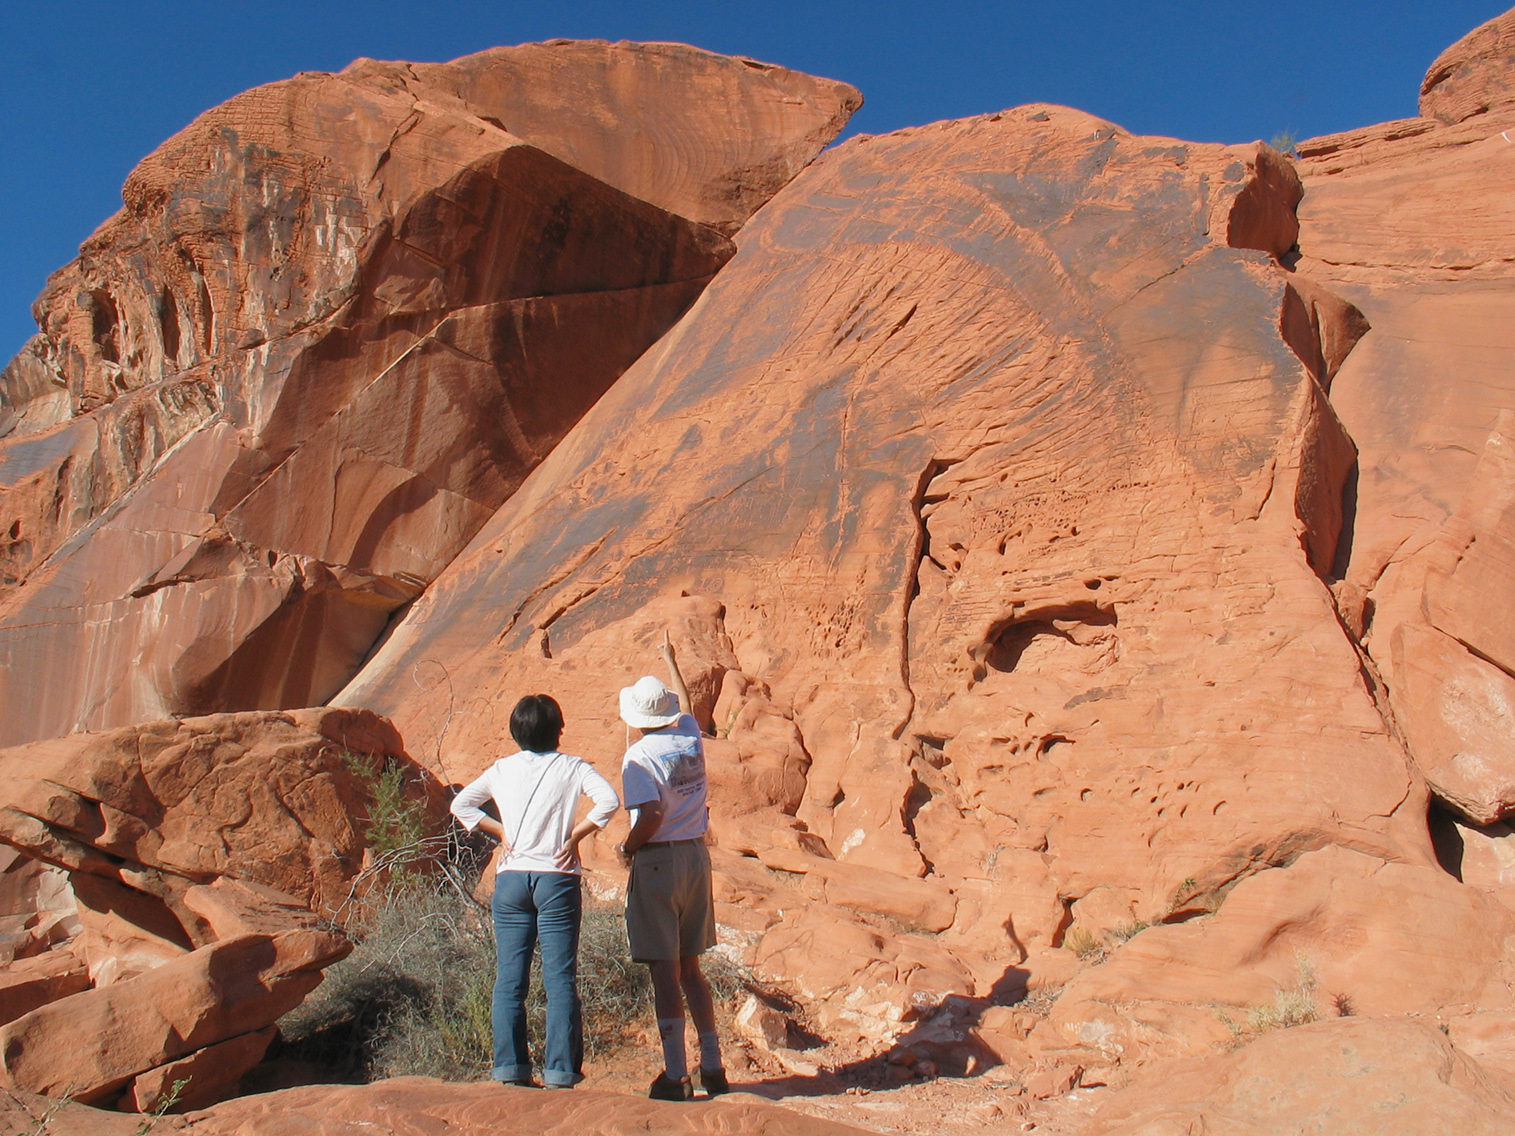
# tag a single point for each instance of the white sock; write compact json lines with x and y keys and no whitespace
{"x":710,"y":1051}
{"x":671,"y":1034}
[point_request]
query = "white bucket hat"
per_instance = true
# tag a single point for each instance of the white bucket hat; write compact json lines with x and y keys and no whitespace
{"x":649,"y":704}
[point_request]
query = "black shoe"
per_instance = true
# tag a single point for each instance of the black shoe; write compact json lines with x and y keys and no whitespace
{"x":666,"y":1088}
{"x":713,"y":1081}
{"x":521,"y":1083}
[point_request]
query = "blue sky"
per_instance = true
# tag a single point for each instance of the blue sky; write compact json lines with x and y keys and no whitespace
{"x":87,"y":88}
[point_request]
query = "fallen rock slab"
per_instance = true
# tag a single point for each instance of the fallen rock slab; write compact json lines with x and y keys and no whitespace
{"x":29,"y":983}
{"x":203,"y":1078}
{"x":89,"y":1045}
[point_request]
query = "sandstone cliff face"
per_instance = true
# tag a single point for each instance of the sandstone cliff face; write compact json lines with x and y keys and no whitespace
{"x":1034,"y":581}
{"x":337,"y":321}
{"x":1411,"y":222}
{"x":1090,"y":554}
{"x":1000,"y":463}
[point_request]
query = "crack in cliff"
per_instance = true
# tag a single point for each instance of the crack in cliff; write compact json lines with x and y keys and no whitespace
{"x":920,"y":550}
{"x":574,"y":564}
{"x":1183,"y":264}
{"x":412,"y":120}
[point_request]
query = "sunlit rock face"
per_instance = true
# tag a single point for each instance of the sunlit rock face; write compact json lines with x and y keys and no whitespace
{"x":1090,"y":554}
{"x":338,"y":320}
{"x":1000,"y":478}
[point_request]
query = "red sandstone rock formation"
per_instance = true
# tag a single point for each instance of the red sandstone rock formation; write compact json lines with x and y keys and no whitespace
{"x":1411,"y":221}
{"x":1063,"y":531}
{"x":337,"y":321}
{"x":1003,"y":476}
{"x":156,"y":822}
{"x":1009,"y":489}
{"x":1348,"y":1076}
{"x":1474,"y":75}
{"x":91,"y":1045}
{"x":430,"y":1105}
{"x":208,"y":859}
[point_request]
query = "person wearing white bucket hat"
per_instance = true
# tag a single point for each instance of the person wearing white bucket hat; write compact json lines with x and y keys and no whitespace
{"x":670,"y":912}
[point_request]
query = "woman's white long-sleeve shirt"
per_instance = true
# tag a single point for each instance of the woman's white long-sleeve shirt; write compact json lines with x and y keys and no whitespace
{"x":537,"y":795}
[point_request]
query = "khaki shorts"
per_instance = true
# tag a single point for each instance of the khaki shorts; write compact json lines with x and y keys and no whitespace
{"x":669,"y":910}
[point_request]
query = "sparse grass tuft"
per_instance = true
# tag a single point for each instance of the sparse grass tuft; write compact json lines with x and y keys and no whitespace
{"x":1081,"y":941}
{"x":1181,"y":894}
{"x":1124,"y":933}
{"x":1294,"y":1006}
{"x":1040,"y":1001}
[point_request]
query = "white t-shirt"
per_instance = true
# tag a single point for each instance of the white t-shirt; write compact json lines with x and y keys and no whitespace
{"x":537,"y":795}
{"x":668,"y":764}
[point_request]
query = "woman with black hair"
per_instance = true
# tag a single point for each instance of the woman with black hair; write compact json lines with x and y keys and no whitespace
{"x":537,"y":894}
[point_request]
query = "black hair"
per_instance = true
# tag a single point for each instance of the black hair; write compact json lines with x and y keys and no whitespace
{"x":536,"y":723}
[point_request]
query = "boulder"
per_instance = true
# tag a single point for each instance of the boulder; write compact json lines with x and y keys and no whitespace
{"x":146,"y":815}
{"x":1337,"y":932}
{"x":37,"y":906}
{"x":1458,"y":713}
{"x":1347,"y":1077}
{"x":91,"y":1044}
{"x":315,"y":350}
{"x":761,"y":1024}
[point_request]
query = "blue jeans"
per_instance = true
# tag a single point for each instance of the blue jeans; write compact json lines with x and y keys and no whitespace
{"x":532,"y":907}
